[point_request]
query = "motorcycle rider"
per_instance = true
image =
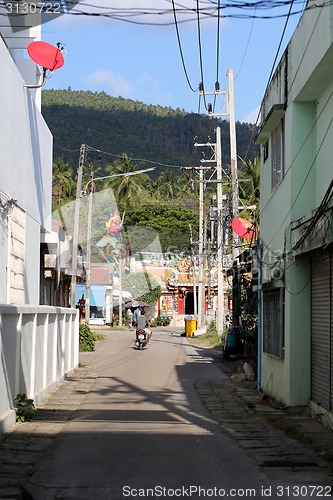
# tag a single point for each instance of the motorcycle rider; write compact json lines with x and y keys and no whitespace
{"x":141,"y":324}
{"x":136,"y":315}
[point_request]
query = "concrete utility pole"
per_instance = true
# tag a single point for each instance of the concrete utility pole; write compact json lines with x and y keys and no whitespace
{"x":228,"y":108}
{"x":76,"y":223}
{"x":120,"y":289}
{"x":201,"y":249}
{"x":88,"y":253}
{"x":220,"y":242}
{"x":201,"y":283}
{"x":109,"y":297}
{"x":195,"y":304}
{"x":233,"y":157}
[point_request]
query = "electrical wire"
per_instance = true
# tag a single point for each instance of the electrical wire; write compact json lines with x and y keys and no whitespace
{"x":71,"y":7}
{"x":270,"y":76}
{"x":200,"y":55}
{"x":319,"y":212}
{"x":144,"y":160}
{"x":217,"y":84}
{"x":305,"y":179}
{"x":303,"y":143}
{"x":247,"y":46}
{"x":180,"y":48}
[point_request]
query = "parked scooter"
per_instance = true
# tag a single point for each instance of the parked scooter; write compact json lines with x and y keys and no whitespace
{"x":141,"y":339}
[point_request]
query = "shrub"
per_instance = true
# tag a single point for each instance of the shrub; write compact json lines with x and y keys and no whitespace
{"x":162,"y":320}
{"x":166,"y":320}
{"x":24,"y":407}
{"x":87,"y":339}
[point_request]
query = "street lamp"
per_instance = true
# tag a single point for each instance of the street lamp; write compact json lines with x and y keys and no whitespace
{"x":88,"y":255}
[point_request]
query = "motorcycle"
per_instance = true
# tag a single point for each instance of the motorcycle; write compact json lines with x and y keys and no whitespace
{"x":141,"y":339}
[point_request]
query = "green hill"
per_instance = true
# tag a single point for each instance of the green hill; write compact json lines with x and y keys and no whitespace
{"x":117,"y":125}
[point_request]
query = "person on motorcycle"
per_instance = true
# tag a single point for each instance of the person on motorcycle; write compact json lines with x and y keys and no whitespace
{"x":136,"y":315}
{"x":141,"y":324}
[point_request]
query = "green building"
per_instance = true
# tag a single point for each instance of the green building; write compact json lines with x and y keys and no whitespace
{"x":296,"y":138}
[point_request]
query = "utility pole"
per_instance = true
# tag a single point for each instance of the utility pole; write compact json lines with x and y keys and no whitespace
{"x":220,"y":242}
{"x":194,"y":277}
{"x":120,"y":289}
{"x":90,"y":190}
{"x":88,"y":252}
{"x":228,"y":108}
{"x":109,"y":297}
{"x":233,"y":157}
{"x":201,"y":282}
{"x":209,"y":290}
{"x":76,"y":223}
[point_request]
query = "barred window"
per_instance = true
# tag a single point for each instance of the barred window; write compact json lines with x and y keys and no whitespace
{"x":273,"y":322}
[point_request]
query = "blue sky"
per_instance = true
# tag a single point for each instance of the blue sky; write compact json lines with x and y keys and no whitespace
{"x":142,"y":62}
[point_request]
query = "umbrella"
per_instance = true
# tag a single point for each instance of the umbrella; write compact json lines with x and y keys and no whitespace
{"x":135,"y":303}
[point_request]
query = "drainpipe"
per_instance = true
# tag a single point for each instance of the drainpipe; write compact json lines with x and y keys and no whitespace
{"x":259,"y":253}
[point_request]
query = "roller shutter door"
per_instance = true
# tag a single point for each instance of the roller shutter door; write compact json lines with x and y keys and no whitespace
{"x":321,"y":329}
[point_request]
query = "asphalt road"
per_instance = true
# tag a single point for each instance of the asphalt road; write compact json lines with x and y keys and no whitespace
{"x":142,"y":431}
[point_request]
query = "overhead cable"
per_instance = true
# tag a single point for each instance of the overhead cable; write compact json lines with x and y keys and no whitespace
{"x":180,"y":48}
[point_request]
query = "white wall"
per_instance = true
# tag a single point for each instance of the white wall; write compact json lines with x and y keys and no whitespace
{"x":25,"y":171}
{"x":25,"y":145}
{"x":38,"y":346}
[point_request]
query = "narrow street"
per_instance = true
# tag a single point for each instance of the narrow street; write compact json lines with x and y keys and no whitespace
{"x":142,"y":431}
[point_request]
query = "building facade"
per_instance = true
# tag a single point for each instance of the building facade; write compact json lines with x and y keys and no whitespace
{"x":38,"y":343}
{"x":295,"y":258}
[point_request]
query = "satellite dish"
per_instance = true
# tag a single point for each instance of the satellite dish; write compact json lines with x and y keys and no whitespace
{"x":46,"y":55}
{"x":244,"y":228}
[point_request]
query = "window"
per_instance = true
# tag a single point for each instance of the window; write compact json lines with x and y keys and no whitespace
{"x":266,"y":150}
{"x":273,"y":322}
{"x":278,"y":154}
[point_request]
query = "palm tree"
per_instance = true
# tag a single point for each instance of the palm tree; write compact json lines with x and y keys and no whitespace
{"x":63,"y":185}
{"x":128,"y":189}
{"x":86,"y":178}
{"x":186,"y":183}
{"x":169,"y":180}
{"x":249,"y":187}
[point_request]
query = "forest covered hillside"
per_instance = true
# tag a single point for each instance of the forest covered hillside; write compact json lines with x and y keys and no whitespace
{"x":116,"y":126}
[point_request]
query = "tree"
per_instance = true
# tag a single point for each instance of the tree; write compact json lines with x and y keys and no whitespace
{"x":249,"y":187}
{"x":169,"y":183}
{"x":170,"y":222}
{"x":63,"y":185}
{"x":97,"y":171}
{"x":142,"y":286}
{"x":128,"y":189}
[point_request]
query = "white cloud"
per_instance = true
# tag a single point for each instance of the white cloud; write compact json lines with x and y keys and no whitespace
{"x":110,"y":82}
{"x":144,"y":88}
{"x":149,"y":90}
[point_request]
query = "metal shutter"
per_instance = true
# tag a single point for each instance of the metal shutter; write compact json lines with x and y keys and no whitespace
{"x":320,"y":329}
{"x":331,"y":329}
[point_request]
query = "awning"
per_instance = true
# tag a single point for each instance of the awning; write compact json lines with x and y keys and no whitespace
{"x":272,"y":119}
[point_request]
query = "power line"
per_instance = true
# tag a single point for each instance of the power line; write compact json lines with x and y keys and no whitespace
{"x":132,"y":16}
{"x":180,"y":47}
{"x":271,"y":73}
{"x":202,"y":85}
{"x":133,"y":159}
{"x":247,"y":46}
{"x":210,"y":11}
{"x":311,"y":166}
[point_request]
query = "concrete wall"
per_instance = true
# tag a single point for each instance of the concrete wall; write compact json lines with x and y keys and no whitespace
{"x":38,"y":346}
